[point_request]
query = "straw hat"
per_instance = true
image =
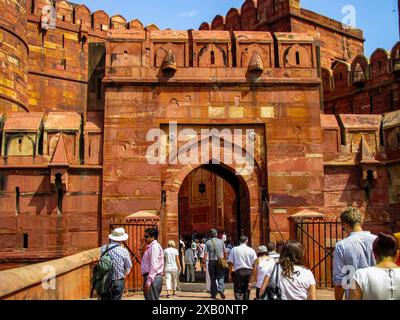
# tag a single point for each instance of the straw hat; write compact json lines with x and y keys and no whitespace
{"x":119,"y":235}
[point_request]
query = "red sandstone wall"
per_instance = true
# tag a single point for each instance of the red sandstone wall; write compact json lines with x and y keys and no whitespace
{"x":377,"y":94}
{"x":50,"y":235}
{"x":13,"y":56}
{"x":286,"y":16}
{"x":291,"y":151}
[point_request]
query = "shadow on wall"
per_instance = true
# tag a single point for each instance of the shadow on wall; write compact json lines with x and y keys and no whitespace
{"x":44,"y":201}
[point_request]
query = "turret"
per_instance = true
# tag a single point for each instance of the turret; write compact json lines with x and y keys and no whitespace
{"x":13,"y":56}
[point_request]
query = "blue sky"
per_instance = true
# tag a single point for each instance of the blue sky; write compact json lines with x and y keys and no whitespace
{"x":378,"y":19}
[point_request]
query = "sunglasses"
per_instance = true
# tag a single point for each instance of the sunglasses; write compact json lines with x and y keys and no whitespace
{"x":147,"y":237}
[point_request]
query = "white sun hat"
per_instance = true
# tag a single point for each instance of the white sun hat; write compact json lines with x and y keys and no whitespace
{"x":119,"y":235}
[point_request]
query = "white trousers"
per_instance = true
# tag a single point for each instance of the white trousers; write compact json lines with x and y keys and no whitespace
{"x":171,"y":280}
{"x":208,"y":281}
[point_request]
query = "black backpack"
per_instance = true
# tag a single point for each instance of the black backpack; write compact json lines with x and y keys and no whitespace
{"x":102,"y":274}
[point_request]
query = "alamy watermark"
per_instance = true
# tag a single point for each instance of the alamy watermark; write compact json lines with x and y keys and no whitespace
{"x":349,"y":20}
{"x":49,"y":281}
{"x":235,"y":147}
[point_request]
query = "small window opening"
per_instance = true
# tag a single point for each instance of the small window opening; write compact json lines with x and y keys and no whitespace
{"x":59,"y":190}
{"x":297,"y":58}
{"x":64,"y":63}
{"x":20,"y":145}
{"x":63,"y":41}
{"x":17,"y":197}
{"x":371,"y":104}
{"x":212,"y":57}
{"x":25,"y":244}
{"x":33,"y":5}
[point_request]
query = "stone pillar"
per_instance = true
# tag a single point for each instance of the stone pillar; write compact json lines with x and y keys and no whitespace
{"x":13,"y":56}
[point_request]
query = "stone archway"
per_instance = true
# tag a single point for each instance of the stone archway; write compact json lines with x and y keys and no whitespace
{"x":174,"y":175}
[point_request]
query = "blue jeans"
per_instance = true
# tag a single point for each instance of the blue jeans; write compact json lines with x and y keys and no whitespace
{"x":116,"y":291}
{"x":217,"y":278}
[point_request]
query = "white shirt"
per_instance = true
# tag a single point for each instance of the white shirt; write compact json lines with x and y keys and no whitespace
{"x":274,"y":255}
{"x":202,"y":250}
{"x":242,"y":257}
{"x":295,"y":288}
{"x":170,"y":255}
{"x":262,"y":268}
{"x":378,"y":283}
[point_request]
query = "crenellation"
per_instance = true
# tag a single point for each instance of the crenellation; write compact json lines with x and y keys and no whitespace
{"x":249,"y":15}
{"x":233,"y":20}
{"x":218,"y":23}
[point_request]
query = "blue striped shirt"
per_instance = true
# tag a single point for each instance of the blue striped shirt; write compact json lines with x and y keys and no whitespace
{"x":121,"y":260}
{"x":351,"y":254}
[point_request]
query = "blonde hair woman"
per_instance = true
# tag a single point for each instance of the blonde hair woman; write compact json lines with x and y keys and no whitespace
{"x":172,"y":268}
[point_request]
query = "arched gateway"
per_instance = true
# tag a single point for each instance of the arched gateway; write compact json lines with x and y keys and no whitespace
{"x":248,"y":187}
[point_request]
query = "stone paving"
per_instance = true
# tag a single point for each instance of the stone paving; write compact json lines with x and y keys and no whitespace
{"x":197,"y":291}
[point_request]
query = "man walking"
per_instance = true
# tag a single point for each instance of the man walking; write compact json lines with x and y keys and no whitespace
{"x":215,"y":250}
{"x":272,"y":251}
{"x":242,"y":260}
{"x":121,"y":262}
{"x":190,"y":264}
{"x":353,"y":253}
{"x":152,"y":266}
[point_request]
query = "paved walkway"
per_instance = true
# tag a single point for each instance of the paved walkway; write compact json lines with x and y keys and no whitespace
{"x":197,"y":292}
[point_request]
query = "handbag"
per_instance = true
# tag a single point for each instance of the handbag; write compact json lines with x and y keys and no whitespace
{"x":273,"y":291}
{"x":221,"y":262}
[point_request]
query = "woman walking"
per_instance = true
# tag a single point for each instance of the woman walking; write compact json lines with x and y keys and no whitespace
{"x":261,"y":266}
{"x":172,"y":268}
{"x":382,"y":281}
{"x":294,"y":280}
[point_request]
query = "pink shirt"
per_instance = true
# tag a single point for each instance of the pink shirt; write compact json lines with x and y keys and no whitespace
{"x":152,"y":262}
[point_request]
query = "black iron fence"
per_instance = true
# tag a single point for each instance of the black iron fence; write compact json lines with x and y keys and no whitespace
{"x":319,"y":238}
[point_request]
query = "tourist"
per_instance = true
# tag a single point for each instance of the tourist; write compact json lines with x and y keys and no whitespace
{"x":261,"y":266}
{"x":201,"y":250}
{"x":380,"y":282}
{"x":351,"y":253}
{"x":190,"y":263}
{"x":229,"y":247}
{"x":294,"y":280}
{"x":181,"y":253}
{"x":272,"y":251}
{"x":241,"y":260}
{"x":397,"y":236}
{"x":121,"y":262}
{"x":152,"y":265}
{"x":223,"y":237}
{"x":215,"y":250}
{"x":172,"y":268}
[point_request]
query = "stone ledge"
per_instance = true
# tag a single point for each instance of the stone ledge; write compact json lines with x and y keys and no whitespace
{"x":15,"y":280}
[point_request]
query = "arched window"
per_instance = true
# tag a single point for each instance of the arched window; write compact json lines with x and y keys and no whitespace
{"x":212,"y":57}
